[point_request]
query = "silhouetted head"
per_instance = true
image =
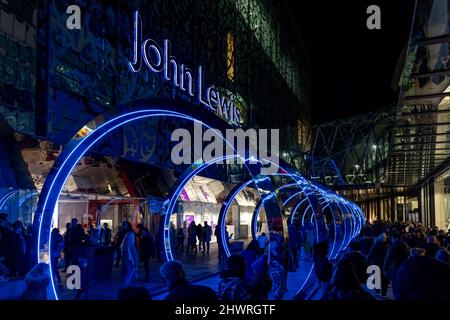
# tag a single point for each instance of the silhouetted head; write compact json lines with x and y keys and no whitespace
{"x":443,"y":255}
{"x":253,"y":245}
{"x":126,"y":226}
{"x":431,"y":240}
{"x":344,"y":276}
{"x":172,"y":271}
{"x":236,"y":265}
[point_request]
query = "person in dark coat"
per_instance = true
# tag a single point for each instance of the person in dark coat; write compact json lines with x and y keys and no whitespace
{"x":105,"y":235}
{"x":261,"y":283}
{"x":359,"y":261}
{"x":56,"y":245}
{"x":396,"y":254}
{"x":180,"y":289}
{"x":366,"y":244}
{"x":146,"y":251}
{"x":206,"y":237}
{"x":232,"y":285}
{"x":422,"y":278}
{"x":6,"y":236}
{"x":18,"y":247}
{"x":345,"y":284}
{"x":322,"y":267}
{"x":431,"y":246}
{"x":67,"y":253}
{"x":37,"y":281}
{"x":180,"y":240}
{"x":198,"y":232}
{"x":192,"y":238}
{"x":376,"y":257}
{"x":118,"y":239}
{"x":250,"y":254}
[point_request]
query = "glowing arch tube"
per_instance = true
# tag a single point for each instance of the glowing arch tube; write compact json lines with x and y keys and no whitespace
{"x":77,"y":147}
{"x":64,"y":165}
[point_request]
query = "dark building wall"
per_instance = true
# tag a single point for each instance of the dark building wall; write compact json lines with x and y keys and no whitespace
{"x":248,"y":48}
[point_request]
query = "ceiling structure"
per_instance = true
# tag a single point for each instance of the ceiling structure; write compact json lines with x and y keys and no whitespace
{"x":398,"y":147}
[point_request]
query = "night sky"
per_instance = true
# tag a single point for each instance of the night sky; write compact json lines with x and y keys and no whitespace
{"x":352,"y":67}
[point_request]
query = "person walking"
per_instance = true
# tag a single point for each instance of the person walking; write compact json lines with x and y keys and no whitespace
{"x":129,"y":254}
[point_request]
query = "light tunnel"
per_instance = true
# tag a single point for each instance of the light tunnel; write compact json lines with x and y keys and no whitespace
{"x":308,"y":201}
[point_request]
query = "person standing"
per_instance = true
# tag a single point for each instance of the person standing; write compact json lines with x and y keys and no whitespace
{"x":396,"y":254}
{"x":376,"y":257}
{"x":118,"y":238}
{"x":217,"y":235}
{"x":146,"y":251}
{"x":198,"y":231}
{"x":57,"y":245}
{"x":19,"y":248}
{"x":129,"y":254}
{"x":192,"y":238}
{"x":105,"y":235}
{"x":206,"y":237}
{"x":77,"y":236}
{"x":67,"y":253}
{"x":180,"y":240}
{"x":322,"y":267}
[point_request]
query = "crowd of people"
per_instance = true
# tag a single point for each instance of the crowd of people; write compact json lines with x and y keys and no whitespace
{"x":250,"y":275}
{"x":15,"y":248}
{"x":189,"y":236}
{"x":413,"y":260}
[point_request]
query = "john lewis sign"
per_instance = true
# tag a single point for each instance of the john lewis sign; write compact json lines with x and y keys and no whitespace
{"x":159,"y":59}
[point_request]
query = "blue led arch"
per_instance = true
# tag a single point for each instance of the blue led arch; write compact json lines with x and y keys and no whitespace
{"x":107,"y":123}
{"x":78,"y":146}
